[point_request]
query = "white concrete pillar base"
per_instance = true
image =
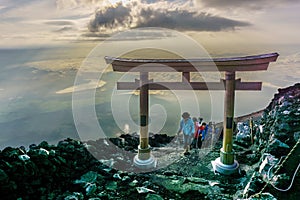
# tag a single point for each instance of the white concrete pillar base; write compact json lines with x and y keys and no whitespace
{"x":145,"y":164}
{"x":224,"y":169}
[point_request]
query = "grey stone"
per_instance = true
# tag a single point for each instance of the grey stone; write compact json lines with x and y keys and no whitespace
{"x":125,"y":178}
{"x":133,"y":183}
{"x":143,"y":190}
{"x":89,"y":177}
{"x":102,"y":194}
{"x":90,"y":188}
{"x":277,"y":143}
{"x":197,"y":180}
{"x":24,"y":157}
{"x":177,"y":184}
{"x":43,"y":152}
{"x":74,"y":196}
{"x":3,"y":177}
{"x":284,"y":127}
{"x":117,"y":176}
{"x":286,"y":112}
{"x":153,"y":197}
{"x":254,"y":185}
{"x":111,"y":185}
{"x":297,"y":136}
{"x":277,"y":148}
{"x":263,"y":196}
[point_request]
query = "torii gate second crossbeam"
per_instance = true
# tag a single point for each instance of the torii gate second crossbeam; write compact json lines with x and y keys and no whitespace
{"x":225,"y":164}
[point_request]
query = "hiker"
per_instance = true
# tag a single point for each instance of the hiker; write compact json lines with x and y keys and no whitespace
{"x":187,"y":127}
{"x":200,"y":121}
{"x":196,"y":132}
{"x":210,"y":131}
{"x":210,"y":127}
{"x":196,"y":123}
{"x":202,"y":133}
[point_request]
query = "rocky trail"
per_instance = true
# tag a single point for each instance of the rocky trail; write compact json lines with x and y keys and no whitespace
{"x":103,"y":169}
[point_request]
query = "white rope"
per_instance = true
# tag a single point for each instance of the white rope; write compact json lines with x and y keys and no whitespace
{"x":286,"y":157}
{"x":284,"y":190}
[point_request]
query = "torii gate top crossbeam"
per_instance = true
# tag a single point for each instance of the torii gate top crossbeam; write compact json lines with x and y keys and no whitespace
{"x":247,"y":63}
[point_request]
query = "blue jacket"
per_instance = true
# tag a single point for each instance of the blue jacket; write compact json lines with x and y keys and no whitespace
{"x":187,"y":127}
{"x":204,"y":132}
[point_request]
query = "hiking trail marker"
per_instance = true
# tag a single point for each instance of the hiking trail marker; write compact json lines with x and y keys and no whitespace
{"x":225,"y":164}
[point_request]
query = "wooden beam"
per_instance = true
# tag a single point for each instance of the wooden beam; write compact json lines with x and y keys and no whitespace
{"x":189,"y":68}
{"x":247,"y":85}
{"x":247,"y":63}
{"x":186,"y":76}
{"x":189,"y":86}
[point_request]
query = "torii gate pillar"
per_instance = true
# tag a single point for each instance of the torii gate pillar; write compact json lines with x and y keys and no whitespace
{"x":226,"y":164}
{"x":144,"y":159}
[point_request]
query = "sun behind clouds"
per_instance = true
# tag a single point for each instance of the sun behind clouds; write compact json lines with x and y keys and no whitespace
{"x":118,"y":1}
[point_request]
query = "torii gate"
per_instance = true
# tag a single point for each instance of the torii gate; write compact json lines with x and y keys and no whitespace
{"x":225,"y":164}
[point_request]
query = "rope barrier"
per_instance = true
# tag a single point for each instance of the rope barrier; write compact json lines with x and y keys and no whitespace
{"x":284,"y":190}
{"x":279,"y":167}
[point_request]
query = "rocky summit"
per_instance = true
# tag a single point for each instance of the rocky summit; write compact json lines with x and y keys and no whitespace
{"x":267,"y":150}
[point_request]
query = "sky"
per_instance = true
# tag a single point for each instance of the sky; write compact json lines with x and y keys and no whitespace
{"x":25,"y":23}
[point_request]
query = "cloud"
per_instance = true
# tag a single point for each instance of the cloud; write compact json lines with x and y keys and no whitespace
{"x":65,"y":29}
{"x":96,"y":35}
{"x":89,"y":19}
{"x":92,"y":84}
{"x":62,"y":25}
{"x":63,"y":4}
{"x":137,"y":34}
{"x":290,"y":59}
{"x":111,"y":17}
{"x":161,"y":14}
{"x":247,"y":4}
{"x":170,"y":1}
{"x":59,"y":22}
{"x":35,"y":22}
{"x":2,"y":7}
{"x":184,"y":20}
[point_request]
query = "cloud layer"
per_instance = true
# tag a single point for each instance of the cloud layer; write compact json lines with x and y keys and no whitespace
{"x":247,"y":4}
{"x":41,"y":22}
{"x":186,"y":21}
{"x":159,"y":14}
